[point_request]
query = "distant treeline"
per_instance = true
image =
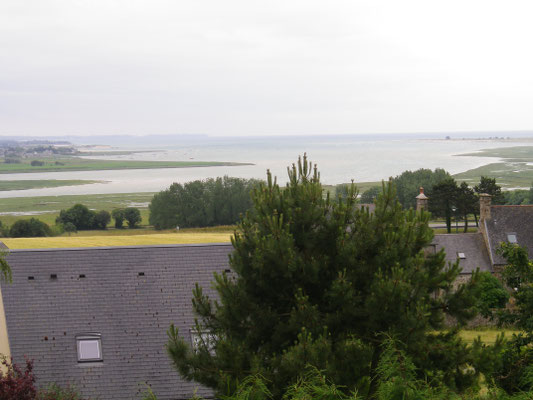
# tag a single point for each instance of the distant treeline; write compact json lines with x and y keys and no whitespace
{"x":202,"y":203}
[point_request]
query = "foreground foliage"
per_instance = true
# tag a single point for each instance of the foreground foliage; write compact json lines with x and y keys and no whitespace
{"x":515,"y":372}
{"x":17,"y":383}
{"x":321,"y":282}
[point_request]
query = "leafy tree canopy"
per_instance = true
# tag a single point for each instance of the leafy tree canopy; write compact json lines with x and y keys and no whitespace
{"x":82,"y":218}
{"x":489,"y":186}
{"x":29,"y":228}
{"x":321,"y":282}
{"x":133,"y":216}
{"x":211,"y":202}
{"x":515,"y":372}
{"x":370,"y":195}
{"x":408,"y":184}
{"x":118,"y":216}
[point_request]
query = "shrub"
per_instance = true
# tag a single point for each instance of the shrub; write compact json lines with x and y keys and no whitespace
{"x":133,"y":216}
{"x":118,"y":215}
{"x":101,"y":219}
{"x":37,"y":163}
{"x":15,"y":383}
{"x":491,"y":294}
{"x":79,"y":215}
{"x":69,"y":227}
{"x":29,"y":228}
{"x":56,"y":392}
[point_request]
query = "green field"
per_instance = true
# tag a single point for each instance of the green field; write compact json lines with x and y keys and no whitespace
{"x":81,"y":164}
{"x":488,"y":335}
{"x":44,"y":183}
{"x":124,"y":237}
{"x":511,"y":172}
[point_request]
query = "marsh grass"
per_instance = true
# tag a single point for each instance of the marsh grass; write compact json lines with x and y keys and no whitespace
{"x":43,"y":183}
{"x":84,"y":164}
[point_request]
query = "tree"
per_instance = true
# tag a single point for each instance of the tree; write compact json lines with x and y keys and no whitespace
{"x":29,"y":228}
{"x":491,"y":294}
{"x":488,"y":185}
{"x":5,"y":270}
{"x":69,"y":227}
{"x":211,"y":202}
{"x":321,"y":282}
{"x":101,"y":219}
{"x":370,"y":195}
{"x":165,"y":208}
{"x":133,"y":216}
{"x":517,"y":197}
{"x":79,"y":215}
{"x":515,"y":372}
{"x":467,"y":203}
{"x":118,"y":216}
{"x":408,"y":184}
{"x":443,"y":200}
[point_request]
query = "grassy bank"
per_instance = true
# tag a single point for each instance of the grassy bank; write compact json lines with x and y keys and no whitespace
{"x":81,"y":164}
{"x":512,"y":170}
{"x":44,"y":183}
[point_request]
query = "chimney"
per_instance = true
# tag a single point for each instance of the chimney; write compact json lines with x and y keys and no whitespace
{"x":484,"y":206}
{"x":421,"y":200}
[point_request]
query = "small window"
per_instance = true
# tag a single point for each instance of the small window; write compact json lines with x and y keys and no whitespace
{"x":462,"y":256}
{"x":511,"y":238}
{"x":89,"y":347}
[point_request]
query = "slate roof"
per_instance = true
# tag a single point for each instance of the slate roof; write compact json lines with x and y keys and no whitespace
{"x":132,"y":312}
{"x":509,"y":219}
{"x":471,"y":244}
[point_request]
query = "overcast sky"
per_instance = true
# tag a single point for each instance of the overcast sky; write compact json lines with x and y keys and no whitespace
{"x":264,"y":67}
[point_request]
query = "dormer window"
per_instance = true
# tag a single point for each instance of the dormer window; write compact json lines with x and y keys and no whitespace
{"x":511,"y":238}
{"x":89,"y":347}
{"x":461,"y":256}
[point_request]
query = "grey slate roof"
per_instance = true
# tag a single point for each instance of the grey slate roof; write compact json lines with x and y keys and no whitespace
{"x":471,"y":244}
{"x":131,"y":312}
{"x":509,"y":219}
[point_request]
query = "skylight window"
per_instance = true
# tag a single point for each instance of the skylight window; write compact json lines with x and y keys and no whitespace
{"x":89,"y":347}
{"x":511,"y":238}
{"x":462,"y":256}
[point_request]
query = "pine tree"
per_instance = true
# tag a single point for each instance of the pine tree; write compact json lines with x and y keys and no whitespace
{"x":322,"y":282}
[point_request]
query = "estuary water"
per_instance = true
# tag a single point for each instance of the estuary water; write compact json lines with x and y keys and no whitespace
{"x":339,"y":158}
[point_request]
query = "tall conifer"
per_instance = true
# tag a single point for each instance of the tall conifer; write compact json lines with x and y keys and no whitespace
{"x":319,"y":281}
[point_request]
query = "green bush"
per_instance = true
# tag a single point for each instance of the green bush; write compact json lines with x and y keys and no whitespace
{"x":491,"y":294}
{"x":29,"y":228}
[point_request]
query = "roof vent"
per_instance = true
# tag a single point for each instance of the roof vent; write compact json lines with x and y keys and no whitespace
{"x":82,"y":276}
{"x":31,"y":278}
{"x":53,"y":276}
{"x":227,"y":271}
{"x":511,"y":238}
{"x":461,"y":256}
{"x":141,"y":273}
